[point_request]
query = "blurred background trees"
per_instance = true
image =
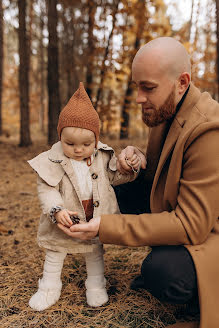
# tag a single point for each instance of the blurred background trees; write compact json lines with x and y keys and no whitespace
{"x":1,"y":62}
{"x":52,"y":45}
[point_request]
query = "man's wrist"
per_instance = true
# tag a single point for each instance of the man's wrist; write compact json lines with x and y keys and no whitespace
{"x":98,"y":224}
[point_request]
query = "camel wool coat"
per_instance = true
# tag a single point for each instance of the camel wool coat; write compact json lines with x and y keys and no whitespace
{"x":183,"y":166}
{"x":58,"y":186}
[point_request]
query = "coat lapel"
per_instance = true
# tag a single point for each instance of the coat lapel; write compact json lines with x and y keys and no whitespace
{"x":157,"y":137}
{"x":67,"y":167}
{"x":173,"y":134}
{"x":56,"y":155}
{"x":169,"y":144}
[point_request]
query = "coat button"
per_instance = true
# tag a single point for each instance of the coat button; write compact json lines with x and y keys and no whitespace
{"x":96,"y":203}
{"x":94,"y":176}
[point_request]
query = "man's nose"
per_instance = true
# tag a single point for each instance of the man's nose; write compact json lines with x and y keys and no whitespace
{"x":141,"y":97}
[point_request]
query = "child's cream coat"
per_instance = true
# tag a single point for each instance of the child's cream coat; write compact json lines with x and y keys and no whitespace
{"x":57,"y":185}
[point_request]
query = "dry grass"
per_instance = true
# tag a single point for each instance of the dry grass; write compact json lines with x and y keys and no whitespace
{"x":22,"y":261}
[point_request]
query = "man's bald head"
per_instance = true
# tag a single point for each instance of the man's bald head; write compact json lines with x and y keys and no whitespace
{"x":161,"y":72}
{"x":167,"y":54}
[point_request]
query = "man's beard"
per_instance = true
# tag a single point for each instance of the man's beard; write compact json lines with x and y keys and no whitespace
{"x":154,"y":116}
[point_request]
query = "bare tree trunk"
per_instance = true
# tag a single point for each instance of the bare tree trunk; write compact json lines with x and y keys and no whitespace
{"x":68,"y":52}
{"x":217,"y":21}
{"x":41,"y":73}
{"x":53,"y":73}
{"x":102,"y":72}
{"x":91,"y":47}
{"x":31,"y":13}
{"x":124,"y":133}
{"x":1,"y":62}
{"x":25,"y":139}
{"x":74,"y":82}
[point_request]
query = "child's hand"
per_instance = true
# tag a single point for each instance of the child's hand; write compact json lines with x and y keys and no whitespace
{"x":134,"y":162}
{"x":63,"y":217}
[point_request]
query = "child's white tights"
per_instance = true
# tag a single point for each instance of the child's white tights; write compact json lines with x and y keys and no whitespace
{"x":95,"y":283}
{"x":50,"y":285}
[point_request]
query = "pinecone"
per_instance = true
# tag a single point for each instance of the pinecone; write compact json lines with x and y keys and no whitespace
{"x":75,"y":219}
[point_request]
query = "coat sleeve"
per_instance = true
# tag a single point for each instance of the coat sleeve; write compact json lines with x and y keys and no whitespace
{"x":197,"y":209}
{"x":49,"y":196}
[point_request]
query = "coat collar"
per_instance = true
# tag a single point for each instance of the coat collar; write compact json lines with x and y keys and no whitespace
{"x":189,"y":102}
{"x":173,"y":132}
{"x":55,"y":154}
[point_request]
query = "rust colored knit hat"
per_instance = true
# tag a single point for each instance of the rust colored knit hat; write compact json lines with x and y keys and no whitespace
{"x":79,"y":112}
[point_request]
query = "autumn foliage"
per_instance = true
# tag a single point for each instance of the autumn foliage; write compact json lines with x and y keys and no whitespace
{"x":64,"y":42}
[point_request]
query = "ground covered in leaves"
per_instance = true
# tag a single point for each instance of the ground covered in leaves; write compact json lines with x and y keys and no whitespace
{"x":22,"y":260}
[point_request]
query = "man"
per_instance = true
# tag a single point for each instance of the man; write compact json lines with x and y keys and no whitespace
{"x":182,"y":176}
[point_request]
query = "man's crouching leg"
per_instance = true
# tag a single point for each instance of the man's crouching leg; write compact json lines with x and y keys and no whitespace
{"x":168,"y":273}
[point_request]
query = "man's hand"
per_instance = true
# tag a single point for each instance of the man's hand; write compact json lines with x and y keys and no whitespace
{"x":134,"y":163}
{"x":83,"y":230}
{"x":127,"y":155}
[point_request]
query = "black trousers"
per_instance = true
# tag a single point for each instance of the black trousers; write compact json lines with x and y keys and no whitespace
{"x":168,"y":272}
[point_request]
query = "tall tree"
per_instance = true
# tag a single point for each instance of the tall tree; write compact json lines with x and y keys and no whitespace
{"x":67,"y":52}
{"x":41,"y":70}
{"x":53,"y":72}
{"x":217,"y":20}
{"x":103,"y":68}
{"x":25,"y":139}
{"x":1,"y":62}
{"x":141,"y":20}
{"x":91,"y":46}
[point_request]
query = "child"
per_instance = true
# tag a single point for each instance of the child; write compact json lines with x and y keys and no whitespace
{"x":75,"y":176}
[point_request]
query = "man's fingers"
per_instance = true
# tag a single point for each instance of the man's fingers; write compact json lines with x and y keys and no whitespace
{"x":128,"y":154}
{"x":77,"y":235}
{"x":143,"y":162}
{"x":135,"y":161}
{"x":124,"y":167}
{"x":142,"y":157}
{"x":129,"y":151}
{"x":120,"y":168}
{"x":81,"y":227}
{"x":83,"y":231}
{"x":63,"y":228}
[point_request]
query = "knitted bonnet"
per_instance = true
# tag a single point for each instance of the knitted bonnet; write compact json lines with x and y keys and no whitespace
{"x":79,"y":112}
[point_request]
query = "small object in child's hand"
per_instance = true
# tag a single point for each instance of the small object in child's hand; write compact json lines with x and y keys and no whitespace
{"x":75,"y":219}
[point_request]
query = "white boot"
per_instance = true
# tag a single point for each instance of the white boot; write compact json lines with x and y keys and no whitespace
{"x":47,"y":295}
{"x":96,"y":293}
{"x":95,"y":283}
{"x":50,"y":285}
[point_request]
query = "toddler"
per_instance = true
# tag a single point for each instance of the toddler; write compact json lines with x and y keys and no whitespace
{"x":75,"y":176}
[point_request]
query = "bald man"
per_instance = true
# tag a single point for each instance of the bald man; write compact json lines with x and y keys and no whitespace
{"x":174,"y":204}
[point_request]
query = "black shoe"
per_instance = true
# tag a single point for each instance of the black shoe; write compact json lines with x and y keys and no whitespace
{"x":137,"y":283}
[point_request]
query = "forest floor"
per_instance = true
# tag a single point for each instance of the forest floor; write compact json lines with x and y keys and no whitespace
{"x":21,"y":262}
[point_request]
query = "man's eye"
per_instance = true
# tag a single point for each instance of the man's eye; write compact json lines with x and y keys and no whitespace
{"x":148,"y":88}
{"x":69,"y":144}
{"x":86,"y":145}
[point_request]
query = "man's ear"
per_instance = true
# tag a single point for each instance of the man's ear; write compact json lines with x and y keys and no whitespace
{"x":183,"y":82}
